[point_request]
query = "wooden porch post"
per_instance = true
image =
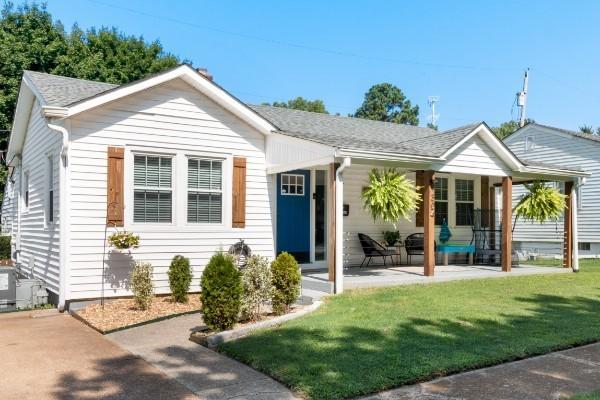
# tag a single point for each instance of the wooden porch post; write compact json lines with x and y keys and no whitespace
{"x":506,"y":223}
{"x":331,"y":224}
{"x":568,"y":230}
{"x":429,"y":223}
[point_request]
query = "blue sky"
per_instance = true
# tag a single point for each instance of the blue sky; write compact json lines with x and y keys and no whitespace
{"x":470,"y":53}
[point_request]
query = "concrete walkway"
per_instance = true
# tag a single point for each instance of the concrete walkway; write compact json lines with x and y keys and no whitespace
{"x":47,"y":355}
{"x":208,"y":374}
{"x":557,"y":375}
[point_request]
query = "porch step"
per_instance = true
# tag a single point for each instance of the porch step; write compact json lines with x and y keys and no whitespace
{"x":316,"y":284}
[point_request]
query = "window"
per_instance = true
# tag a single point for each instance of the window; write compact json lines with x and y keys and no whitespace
{"x":529,"y":143}
{"x":584,"y":246}
{"x":152,"y":193}
{"x":441,"y":200}
{"x":50,"y":194}
{"x":26,"y":189}
{"x":464,"y":202}
{"x":205,"y":197}
{"x":292,"y":185}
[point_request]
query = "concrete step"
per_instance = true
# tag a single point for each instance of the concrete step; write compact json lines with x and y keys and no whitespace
{"x":315,"y":284}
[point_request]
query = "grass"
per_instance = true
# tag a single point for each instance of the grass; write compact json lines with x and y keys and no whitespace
{"x":587,"y":396}
{"x":369,"y":340}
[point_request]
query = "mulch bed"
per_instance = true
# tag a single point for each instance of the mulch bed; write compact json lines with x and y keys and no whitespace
{"x":122,"y":313}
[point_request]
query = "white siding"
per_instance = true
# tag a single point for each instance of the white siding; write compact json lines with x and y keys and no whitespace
{"x":175,"y":119}
{"x":476,"y":155}
{"x":9,"y":208}
{"x":568,"y":151}
{"x":39,"y":240}
{"x":360,"y":221}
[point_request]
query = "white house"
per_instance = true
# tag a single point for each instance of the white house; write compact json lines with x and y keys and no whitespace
{"x":576,"y":151}
{"x":178,"y":160}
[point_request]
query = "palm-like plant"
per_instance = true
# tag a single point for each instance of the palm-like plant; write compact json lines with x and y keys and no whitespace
{"x":541,"y":203}
{"x":390,"y":195}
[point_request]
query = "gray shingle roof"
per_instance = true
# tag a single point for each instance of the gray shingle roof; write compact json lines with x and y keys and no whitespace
{"x":362,"y":134}
{"x":61,"y":91}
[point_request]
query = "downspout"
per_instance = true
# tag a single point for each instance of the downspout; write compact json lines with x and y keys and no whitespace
{"x":339,"y":225}
{"x":575,"y":262}
{"x":63,"y":221}
{"x":19,"y":211}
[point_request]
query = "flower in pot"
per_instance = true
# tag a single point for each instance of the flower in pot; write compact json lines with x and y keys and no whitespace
{"x":124,"y":240}
{"x":391,"y":237}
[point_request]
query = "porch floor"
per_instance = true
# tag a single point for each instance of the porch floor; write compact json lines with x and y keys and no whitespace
{"x":355,"y":277}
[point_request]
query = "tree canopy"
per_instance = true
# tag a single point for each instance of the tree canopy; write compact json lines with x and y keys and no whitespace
{"x":386,"y":102}
{"x":30,"y":39}
{"x":589,"y":130}
{"x":508,"y":127}
{"x":300,"y":103}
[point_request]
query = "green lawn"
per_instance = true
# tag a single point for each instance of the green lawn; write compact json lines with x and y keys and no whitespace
{"x":587,"y":396}
{"x":368,"y":340}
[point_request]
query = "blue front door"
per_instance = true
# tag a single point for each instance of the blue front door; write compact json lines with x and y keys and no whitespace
{"x":293,"y":214}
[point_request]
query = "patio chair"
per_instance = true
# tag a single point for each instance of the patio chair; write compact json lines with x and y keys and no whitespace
{"x":414,"y":245}
{"x":372,"y":248}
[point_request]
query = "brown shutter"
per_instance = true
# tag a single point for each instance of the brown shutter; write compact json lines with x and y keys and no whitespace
{"x":420,"y":182}
{"x":239,"y":193}
{"x":114,"y":197}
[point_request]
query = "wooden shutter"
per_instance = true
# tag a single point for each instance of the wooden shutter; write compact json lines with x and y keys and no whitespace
{"x":420,"y":182}
{"x":239,"y":193}
{"x":115,"y":179}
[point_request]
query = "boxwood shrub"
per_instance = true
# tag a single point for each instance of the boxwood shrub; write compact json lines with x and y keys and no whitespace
{"x":180,"y":278}
{"x":286,"y":282}
{"x":5,"y":248}
{"x":221,"y":293}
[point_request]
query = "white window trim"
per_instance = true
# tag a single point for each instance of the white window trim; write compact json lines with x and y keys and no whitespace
{"x":447,"y":201}
{"x":296,"y":185}
{"x":456,"y":201}
{"x":222,"y":190}
{"x":179,"y":190}
{"x":130,"y":166}
{"x":26,"y":191}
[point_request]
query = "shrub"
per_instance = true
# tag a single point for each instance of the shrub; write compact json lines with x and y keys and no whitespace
{"x":221,"y":293}
{"x":286,"y":282}
{"x":256,"y":281}
{"x":141,"y":284}
{"x":5,"y":248}
{"x":124,"y":240}
{"x":180,"y":277}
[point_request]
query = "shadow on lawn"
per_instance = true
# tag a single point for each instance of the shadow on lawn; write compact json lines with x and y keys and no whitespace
{"x":125,"y":377}
{"x":353,"y":360}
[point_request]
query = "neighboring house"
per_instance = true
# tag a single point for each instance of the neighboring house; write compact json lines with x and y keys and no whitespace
{"x":192,"y":170}
{"x":574,"y":150}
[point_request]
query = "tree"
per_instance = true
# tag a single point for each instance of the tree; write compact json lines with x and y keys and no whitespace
{"x":432,"y":126}
{"x":589,"y":130}
{"x":507,"y":128}
{"x":300,"y":103}
{"x":386,"y":102}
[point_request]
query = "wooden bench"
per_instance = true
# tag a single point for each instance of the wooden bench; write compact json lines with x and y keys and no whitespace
{"x":448,"y":248}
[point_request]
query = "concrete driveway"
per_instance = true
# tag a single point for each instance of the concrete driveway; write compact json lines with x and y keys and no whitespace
{"x":53,"y":356}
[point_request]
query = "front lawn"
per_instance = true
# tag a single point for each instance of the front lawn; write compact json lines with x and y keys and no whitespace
{"x":368,"y":340}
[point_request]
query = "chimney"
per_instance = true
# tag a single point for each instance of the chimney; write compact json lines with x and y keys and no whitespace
{"x":205,"y":73}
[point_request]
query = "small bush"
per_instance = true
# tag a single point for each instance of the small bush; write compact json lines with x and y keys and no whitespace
{"x":5,"y":252}
{"x":141,"y":284}
{"x":180,"y":278}
{"x":286,"y":282}
{"x":221,"y":293}
{"x":256,"y":280}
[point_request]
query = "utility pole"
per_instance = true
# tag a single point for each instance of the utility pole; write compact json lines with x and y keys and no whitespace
{"x":433,"y":117}
{"x":522,"y":99}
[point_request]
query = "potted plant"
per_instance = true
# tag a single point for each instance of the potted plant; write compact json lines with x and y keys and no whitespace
{"x":391,"y":237}
{"x":124,"y":240}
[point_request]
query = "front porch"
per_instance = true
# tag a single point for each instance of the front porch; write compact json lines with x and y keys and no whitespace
{"x":356,"y":277}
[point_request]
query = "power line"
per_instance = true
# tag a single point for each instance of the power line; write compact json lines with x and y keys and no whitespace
{"x":301,"y":46}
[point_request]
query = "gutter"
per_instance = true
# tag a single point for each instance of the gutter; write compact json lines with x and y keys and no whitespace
{"x":54,"y":112}
{"x":386,"y":156}
{"x":63,"y":221}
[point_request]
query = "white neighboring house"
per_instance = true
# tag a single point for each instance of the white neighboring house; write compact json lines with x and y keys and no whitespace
{"x":178,"y":160}
{"x":574,"y":150}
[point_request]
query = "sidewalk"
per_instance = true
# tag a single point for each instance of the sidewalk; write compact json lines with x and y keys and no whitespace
{"x":553,"y":376}
{"x":209,"y":375}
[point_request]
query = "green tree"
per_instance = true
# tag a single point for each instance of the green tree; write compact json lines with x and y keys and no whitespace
{"x":507,"y":128}
{"x":432,"y":126}
{"x":386,"y":102}
{"x":589,"y":130}
{"x":300,"y":103}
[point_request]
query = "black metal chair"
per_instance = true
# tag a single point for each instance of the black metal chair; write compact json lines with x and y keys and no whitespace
{"x":372,"y":248}
{"x":414,"y":245}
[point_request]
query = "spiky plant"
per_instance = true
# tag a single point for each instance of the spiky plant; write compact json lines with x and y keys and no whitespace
{"x":390,"y":196}
{"x":542,"y":203}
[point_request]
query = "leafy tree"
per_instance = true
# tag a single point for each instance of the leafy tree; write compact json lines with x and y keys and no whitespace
{"x":300,"y":103}
{"x":589,"y":130}
{"x":386,"y":102}
{"x":432,"y":126}
{"x":508,"y":127}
